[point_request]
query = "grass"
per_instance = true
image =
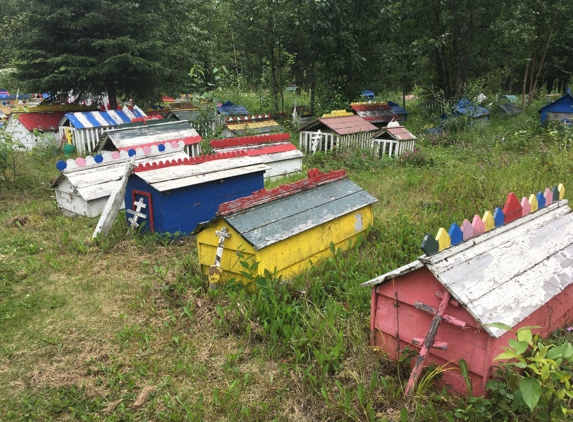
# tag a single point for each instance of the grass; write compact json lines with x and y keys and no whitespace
{"x":125,"y":328}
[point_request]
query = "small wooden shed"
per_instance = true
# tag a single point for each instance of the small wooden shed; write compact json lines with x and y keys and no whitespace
{"x":519,"y":273}
{"x":250,"y":125}
{"x":145,"y":136}
{"x":22,"y":126}
{"x":337,"y":130}
{"x":175,"y":196}
{"x":86,"y":127}
{"x":477,"y":115}
{"x":379,"y":114}
{"x":285,"y":228}
{"x":400,"y":111}
{"x":85,"y":184}
{"x":282,"y":157}
{"x":560,"y":110}
{"x":393,"y":140}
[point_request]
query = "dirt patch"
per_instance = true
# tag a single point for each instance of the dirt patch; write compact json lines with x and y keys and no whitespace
{"x":18,"y":221}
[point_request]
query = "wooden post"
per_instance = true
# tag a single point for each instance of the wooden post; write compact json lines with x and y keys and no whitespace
{"x":114,"y":203}
{"x":215,"y":269}
{"x":428,"y":343}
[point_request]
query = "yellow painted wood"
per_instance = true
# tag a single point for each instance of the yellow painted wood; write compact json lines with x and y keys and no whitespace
{"x":288,"y":257}
{"x":488,"y":221}
{"x":561,"y":190}
{"x":443,"y":239}
{"x":338,"y":113}
{"x":253,"y":125}
{"x":533,"y":202}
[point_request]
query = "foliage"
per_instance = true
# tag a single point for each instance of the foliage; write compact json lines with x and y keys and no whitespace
{"x":9,"y":167}
{"x":414,"y":158}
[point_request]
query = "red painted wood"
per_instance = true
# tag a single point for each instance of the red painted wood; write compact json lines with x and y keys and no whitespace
{"x":428,"y":343}
{"x":437,"y":344}
{"x":315,"y":178}
{"x":271,"y":149}
{"x":395,"y":327}
{"x":249,"y":140}
{"x":512,"y":209}
{"x":189,"y":161}
{"x":453,"y":302}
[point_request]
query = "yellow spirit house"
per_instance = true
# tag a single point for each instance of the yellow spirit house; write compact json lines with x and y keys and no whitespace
{"x":285,"y":228}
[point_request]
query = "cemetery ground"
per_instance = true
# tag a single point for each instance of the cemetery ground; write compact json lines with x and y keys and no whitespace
{"x":125,"y":328}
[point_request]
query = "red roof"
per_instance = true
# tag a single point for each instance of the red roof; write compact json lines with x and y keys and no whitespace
{"x":41,"y":121}
{"x":347,"y":124}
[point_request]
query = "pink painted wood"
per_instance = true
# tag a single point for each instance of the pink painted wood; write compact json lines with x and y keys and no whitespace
{"x":467,"y":230}
{"x":548,"y":197}
{"x":478,"y":225}
{"x":525,"y":206}
{"x":428,"y":343}
{"x":512,"y":209}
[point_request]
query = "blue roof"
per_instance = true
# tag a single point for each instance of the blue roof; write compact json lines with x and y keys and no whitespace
{"x":561,"y":105}
{"x":368,"y":94}
{"x":91,"y":119}
{"x":230,"y":109}
{"x":467,"y":108}
{"x":397,"y":109}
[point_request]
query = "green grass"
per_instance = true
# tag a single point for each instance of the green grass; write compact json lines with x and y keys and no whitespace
{"x":125,"y":328}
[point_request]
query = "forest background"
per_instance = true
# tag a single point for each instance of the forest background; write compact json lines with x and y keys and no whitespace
{"x":329,"y":48}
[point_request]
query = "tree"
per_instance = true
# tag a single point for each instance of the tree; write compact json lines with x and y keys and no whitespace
{"x":95,"y":46}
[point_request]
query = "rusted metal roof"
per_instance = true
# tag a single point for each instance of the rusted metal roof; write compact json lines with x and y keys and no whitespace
{"x":375,"y":112}
{"x":281,"y":218}
{"x":41,"y":121}
{"x":341,"y":125}
{"x":399,"y":133}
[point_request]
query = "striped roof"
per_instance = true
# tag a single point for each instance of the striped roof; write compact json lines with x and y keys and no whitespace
{"x":92,"y":119}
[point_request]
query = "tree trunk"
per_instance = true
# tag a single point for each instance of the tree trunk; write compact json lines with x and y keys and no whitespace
{"x":111,"y":93}
{"x":312,"y":89}
{"x":274,"y":78}
{"x":281,"y":78}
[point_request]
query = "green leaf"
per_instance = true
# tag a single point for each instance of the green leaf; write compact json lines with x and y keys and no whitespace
{"x":519,"y":346}
{"x":508,"y":354}
{"x":524,"y":335}
{"x":567,"y":350}
{"x":404,"y":415}
{"x":499,"y":325}
{"x":555,"y":352}
{"x":530,"y":389}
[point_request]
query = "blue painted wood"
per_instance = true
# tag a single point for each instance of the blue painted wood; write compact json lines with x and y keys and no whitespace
{"x":181,"y":210}
{"x":430,"y":245}
{"x":456,"y":234}
{"x":540,"y":200}
{"x":498,"y":217}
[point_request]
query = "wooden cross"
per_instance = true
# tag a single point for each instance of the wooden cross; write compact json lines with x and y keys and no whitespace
{"x":315,"y":141}
{"x":215,"y":269}
{"x":136,"y":213}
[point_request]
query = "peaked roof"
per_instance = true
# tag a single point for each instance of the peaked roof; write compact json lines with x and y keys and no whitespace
{"x":400,"y":133}
{"x":564,"y":104}
{"x":124,"y":138}
{"x":397,"y":108}
{"x":374,"y":112}
{"x":91,"y":119}
{"x":506,"y":274}
{"x":269,"y":216}
{"x":230,"y":109}
{"x":510,"y":108}
{"x":341,"y":125}
{"x":41,"y":121}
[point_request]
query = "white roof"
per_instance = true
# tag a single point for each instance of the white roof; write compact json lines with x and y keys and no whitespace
{"x":508,"y":273}
{"x":175,"y":177}
{"x":97,"y":181}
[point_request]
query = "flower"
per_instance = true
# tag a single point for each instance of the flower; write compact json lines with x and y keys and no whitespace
{"x":569,"y":329}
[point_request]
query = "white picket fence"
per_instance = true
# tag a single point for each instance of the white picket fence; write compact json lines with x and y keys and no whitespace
{"x":85,"y":140}
{"x":391,"y":147}
{"x":324,"y":141}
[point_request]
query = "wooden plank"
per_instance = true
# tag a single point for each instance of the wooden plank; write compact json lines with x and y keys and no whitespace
{"x":467,"y":230}
{"x":525,"y":206}
{"x":512,"y":209}
{"x":540,"y":200}
{"x":429,"y":245}
{"x":498,"y":217}
{"x":456,"y":234}
{"x":561,"y":190}
{"x":548,"y":195}
{"x":533,"y":203}
{"x":114,"y":203}
{"x":443,"y":239}
{"x":488,"y":221}
{"x":478,"y":225}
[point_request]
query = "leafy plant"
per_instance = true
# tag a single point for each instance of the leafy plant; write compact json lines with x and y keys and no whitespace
{"x":542,"y":372}
{"x":8,"y":157}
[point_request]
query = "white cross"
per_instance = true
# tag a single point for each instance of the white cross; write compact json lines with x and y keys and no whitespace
{"x":136,"y":214}
{"x":315,"y":140}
